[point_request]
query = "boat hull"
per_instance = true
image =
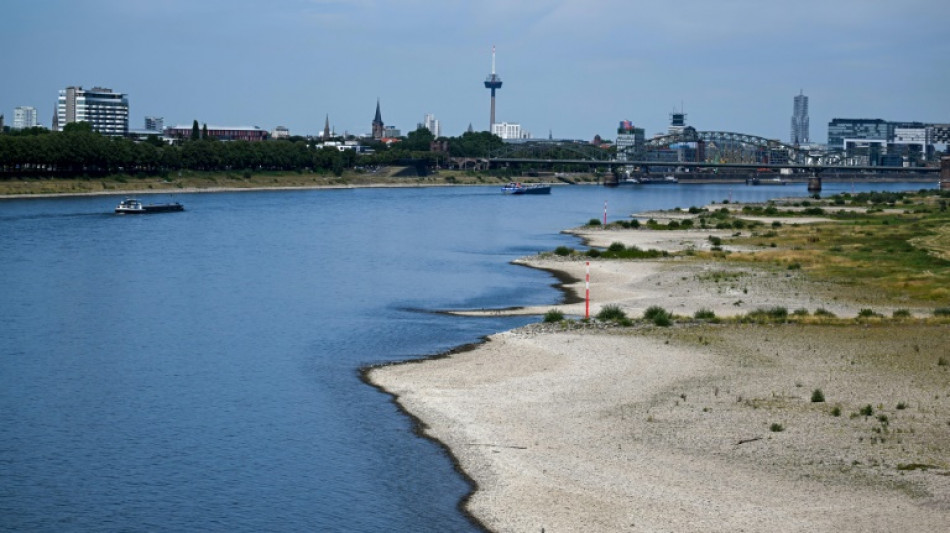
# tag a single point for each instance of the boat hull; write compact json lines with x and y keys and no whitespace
{"x":134,"y":207}
{"x":519,"y":189}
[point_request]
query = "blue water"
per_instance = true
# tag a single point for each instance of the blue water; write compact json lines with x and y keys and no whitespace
{"x":200,"y":370}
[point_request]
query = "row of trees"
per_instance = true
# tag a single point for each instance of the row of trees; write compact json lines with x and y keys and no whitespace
{"x":79,"y":151}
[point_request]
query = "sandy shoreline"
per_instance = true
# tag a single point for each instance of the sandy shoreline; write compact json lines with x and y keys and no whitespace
{"x":671,"y":429}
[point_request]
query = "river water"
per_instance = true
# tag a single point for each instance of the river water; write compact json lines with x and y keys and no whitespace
{"x":199,"y":371}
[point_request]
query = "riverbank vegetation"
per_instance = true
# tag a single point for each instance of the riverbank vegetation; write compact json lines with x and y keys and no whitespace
{"x":79,"y":153}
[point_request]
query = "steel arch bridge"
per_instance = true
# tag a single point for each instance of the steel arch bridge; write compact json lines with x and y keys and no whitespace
{"x":717,"y":147}
{"x":733,"y":147}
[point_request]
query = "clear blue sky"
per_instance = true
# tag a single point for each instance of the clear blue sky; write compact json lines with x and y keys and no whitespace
{"x":573,"y":67}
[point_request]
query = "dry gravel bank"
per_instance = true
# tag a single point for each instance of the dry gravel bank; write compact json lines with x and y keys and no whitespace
{"x":696,"y":427}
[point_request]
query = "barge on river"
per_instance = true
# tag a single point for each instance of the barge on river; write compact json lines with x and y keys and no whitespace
{"x":526,"y":188}
{"x":131,"y":206}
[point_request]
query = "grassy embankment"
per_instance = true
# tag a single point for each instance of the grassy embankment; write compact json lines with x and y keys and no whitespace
{"x":886,"y":248}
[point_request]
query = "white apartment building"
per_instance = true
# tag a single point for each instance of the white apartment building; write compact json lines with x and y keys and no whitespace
{"x":509,"y":131}
{"x":106,"y":111}
{"x":24,"y":117}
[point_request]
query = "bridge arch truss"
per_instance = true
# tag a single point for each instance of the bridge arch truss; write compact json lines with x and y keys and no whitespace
{"x":729,"y":147}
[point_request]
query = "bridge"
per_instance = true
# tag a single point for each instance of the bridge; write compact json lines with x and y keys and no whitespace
{"x":691,"y":148}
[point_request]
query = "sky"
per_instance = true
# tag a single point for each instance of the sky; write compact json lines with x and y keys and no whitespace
{"x":570,"y":68}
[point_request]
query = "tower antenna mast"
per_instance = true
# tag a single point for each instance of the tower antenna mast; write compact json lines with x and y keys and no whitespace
{"x":492,"y":82}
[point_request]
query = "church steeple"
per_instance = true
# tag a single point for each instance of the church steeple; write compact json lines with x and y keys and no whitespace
{"x":378,"y":123}
{"x":326,"y":128}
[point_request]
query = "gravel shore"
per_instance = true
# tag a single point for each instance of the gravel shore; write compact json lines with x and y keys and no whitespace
{"x":695,"y":427}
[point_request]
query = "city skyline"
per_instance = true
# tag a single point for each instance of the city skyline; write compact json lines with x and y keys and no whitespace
{"x":571,"y":68}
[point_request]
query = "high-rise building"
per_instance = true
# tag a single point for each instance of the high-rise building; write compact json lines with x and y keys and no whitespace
{"x":799,"y":132}
{"x":630,"y":141}
{"x":431,"y":123}
{"x":24,"y":117}
{"x":155,"y":124}
{"x":106,"y":111}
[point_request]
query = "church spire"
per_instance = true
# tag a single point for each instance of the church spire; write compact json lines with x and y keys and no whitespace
{"x":378,"y":123}
{"x":326,"y":128}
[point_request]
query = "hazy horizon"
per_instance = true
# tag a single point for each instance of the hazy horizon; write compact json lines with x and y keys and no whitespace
{"x":571,"y":69}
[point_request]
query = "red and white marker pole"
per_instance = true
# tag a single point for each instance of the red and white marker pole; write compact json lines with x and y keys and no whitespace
{"x":605,"y":212}
{"x":587,"y":293}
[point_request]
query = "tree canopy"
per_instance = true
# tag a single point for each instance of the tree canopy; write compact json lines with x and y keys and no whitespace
{"x":78,"y":150}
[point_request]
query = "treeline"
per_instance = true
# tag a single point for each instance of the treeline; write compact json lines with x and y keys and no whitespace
{"x":79,"y":151}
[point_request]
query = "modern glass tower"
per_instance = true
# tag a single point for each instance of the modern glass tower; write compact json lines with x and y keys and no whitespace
{"x":799,"y":133}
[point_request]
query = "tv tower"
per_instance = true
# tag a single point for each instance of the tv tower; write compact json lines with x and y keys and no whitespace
{"x":492,"y":82}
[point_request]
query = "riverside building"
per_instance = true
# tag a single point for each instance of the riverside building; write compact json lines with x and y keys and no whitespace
{"x":106,"y":111}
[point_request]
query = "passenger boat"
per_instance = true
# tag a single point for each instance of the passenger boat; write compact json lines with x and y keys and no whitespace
{"x":131,"y":206}
{"x":526,"y":188}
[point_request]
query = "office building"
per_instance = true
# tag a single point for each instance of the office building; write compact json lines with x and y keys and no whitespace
{"x":106,"y":111}
{"x":940,"y":133}
{"x":431,"y":123}
{"x":799,"y":133}
{"x":843,"y":129}
{"x":630,"y":141}
{"x":509,"y":131}
{"x":156,"y":124}
{"x":912,"y":140}
{"x":24,"y":117}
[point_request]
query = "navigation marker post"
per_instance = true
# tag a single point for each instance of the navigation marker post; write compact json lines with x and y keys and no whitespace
{"x":587,"y":294}
{"x":605,"y":213}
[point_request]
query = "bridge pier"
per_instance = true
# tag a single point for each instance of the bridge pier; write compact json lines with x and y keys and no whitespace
{"x":814,"y":184}
{"x":945,"y":173}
